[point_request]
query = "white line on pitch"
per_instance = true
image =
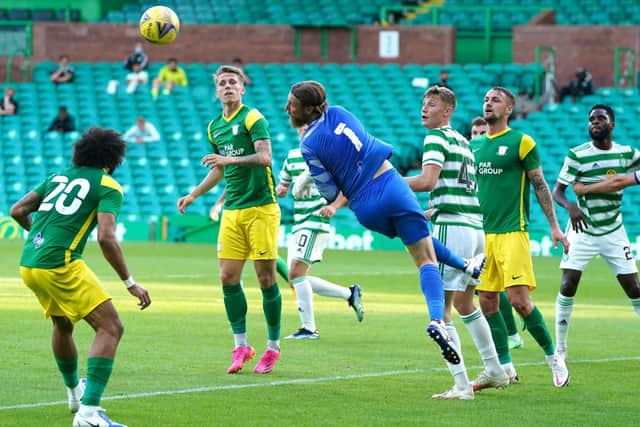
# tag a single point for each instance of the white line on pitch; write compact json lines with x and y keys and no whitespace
{"x":294,"y":382}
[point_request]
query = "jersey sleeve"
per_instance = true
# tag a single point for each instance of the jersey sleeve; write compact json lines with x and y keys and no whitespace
{"x":635,"y":160}
{"x":529,"y":154}
{"x":257,"y":125}
{"x":212,"y":141}
{"x":435,"y":147}
{"x":321,"y":177}
{"x":285,"y":176}
{"x":110,"y":196}
{"x":41,"y":188}
{"x":569,"y":173}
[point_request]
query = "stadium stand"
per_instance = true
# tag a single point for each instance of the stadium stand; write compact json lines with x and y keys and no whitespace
{"x":291,"y":12}
{"x":465,"y":15}
{"x":155,"y":174}
{"x":40,"y":14}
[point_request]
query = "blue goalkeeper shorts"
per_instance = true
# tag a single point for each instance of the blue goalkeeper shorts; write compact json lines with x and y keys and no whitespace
{"x":388,"y":206}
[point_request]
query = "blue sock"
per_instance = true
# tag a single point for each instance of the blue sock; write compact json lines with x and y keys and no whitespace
{"x":445,"y":256}
{"x":431,"y":285}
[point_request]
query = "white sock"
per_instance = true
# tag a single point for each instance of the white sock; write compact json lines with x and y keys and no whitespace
{"x":328,"y":289}
{"x":240,"y":340}
{"x":564,"y":307}
{"x":480,"y":331}
{"x":274,"y":345}
{"x":304,"y":300}
{"x":76,"y":392}
{"x":549,"y":359}
{"x":87,"y":410}
{"x":459,"y":371}
{"x":635,"y":303}
{"x":509,"y":369}
{"x":516,"y":337}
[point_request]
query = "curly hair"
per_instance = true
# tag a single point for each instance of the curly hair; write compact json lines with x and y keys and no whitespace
{"x":99,"y":148}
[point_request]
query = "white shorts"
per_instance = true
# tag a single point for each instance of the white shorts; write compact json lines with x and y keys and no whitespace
{"x":466,"y":242}
{"x":307,"y":246}
{"x":614,"y":248}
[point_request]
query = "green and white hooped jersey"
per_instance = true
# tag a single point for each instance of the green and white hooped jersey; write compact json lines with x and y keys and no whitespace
{"x":455,"y":198}
{"x":306,"y":213}
{"x":588,"y":164}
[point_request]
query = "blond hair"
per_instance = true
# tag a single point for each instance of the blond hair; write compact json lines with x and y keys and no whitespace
{"x":443,"y":93}
{"x":229,"y":69}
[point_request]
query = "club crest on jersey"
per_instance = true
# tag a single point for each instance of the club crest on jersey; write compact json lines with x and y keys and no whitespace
{"x":234,"y":129}
{"x":38,"y":240}
{"x":502,"y":150}
{"x":610,"y":172}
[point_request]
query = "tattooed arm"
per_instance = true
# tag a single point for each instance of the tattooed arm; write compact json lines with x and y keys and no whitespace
{"x":543,"y":194}
{"x":262,"y":157}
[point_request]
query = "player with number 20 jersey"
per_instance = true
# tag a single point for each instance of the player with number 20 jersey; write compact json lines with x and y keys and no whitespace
{"x":71,"y":200}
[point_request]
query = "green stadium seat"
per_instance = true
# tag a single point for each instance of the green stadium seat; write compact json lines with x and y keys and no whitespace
{"x":370,"y":90}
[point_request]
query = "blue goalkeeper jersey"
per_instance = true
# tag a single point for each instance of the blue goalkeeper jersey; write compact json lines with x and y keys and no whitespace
{"x":341,"y":155}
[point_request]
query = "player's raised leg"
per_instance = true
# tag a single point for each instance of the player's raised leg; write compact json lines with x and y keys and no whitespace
{"x":352,"y":294}
{"x":431,"y":285}
{"x":472,"y":266}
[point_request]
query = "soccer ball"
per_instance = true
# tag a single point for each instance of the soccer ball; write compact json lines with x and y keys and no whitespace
{"x":160,"y":25}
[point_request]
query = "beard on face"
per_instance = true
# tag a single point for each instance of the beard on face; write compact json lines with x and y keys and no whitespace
{"x":297,"y":122}
{"x":492,"y":118}
{"x":600,"y":135}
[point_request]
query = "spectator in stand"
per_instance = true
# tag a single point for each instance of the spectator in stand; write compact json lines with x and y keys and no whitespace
{"x":444,"y":77}
{"x":238,"y":63}
{"x":170,"y":75}
{"x":549,"y":89}
{"x":137,"y":57}
{"x":63,"y":122}
{"x":136,"y":77}
{"x":142,"y":131}
{"x":524,"y":105}
{"x":581,"y":86}
{"x":64,"y":73}
{"x":9,"y":106}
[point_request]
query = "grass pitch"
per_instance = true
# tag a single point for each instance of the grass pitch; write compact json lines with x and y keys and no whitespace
{"x":170,"y":368}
